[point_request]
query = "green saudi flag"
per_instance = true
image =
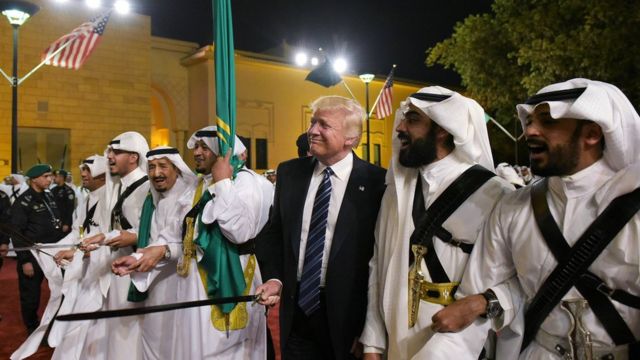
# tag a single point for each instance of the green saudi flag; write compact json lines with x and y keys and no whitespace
{"x":225,"y":74}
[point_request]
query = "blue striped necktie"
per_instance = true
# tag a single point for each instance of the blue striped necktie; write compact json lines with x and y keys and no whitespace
{"x":309,"y":296}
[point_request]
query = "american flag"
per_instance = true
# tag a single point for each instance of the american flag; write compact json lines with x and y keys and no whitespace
{"x":77,"y":45}
{"x":385,"y":104}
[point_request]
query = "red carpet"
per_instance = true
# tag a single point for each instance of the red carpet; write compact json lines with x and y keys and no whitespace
{"x":12,"y":331}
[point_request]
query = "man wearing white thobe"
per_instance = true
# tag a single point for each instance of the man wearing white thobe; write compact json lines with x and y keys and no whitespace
{"x":583,"y":137}
{"x":440,"y":135}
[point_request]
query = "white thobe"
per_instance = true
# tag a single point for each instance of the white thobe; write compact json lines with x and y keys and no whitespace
{"x":511,"y":246}
{"x":158,"y":330}
{"x":79,"y":288}
{"x":241,"y":208}
{"x":122,"y":333}
{"x":387,"y":311}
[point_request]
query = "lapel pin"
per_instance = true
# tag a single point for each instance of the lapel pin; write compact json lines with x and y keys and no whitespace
{"x":361,"y":188}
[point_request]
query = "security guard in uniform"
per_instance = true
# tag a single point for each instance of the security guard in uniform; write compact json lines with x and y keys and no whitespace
{"x":65,"y":198}
{"x":36,"y":216}
{"x":5,"y":204}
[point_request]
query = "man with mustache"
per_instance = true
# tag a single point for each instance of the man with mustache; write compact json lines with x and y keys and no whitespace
{"x":126,"y":189}
{"x":570,"y":240}
{"x":435,"y":203}
{"x":228,"y":209}
{"x":320,"y":237}
{"x":153,"y":267}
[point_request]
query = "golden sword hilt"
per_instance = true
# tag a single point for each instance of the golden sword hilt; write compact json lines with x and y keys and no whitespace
{"x":416,"y":277}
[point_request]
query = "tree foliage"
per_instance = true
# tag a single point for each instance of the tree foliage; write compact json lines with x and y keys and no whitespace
{"x":508,"y":55}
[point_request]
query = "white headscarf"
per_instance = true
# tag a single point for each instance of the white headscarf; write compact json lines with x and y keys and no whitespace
{"x":97,"y":164}
{"x":461,"y":117}
{"x":208,"y":135}
{"x":186,"y":180}
{"x":19,"y":178}
{"x":129,"y":141}
{"x":603,"y":104}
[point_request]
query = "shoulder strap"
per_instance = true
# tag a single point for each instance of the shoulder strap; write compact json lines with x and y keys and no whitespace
{"x":88,"y":218}
{"x":573,"y":263}
{"x":117,"y":214}
{"x":446,"y":204}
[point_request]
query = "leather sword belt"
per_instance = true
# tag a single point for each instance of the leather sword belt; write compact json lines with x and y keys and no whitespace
{"x":438,"y":293}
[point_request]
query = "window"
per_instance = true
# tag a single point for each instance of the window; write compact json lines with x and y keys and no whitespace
{"x":376,"y":154}
{"x":247,"y":143}
{"x":43,"y":145}
{"x":261,"y":154}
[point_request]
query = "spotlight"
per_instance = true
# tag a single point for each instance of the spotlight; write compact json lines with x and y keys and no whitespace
{"x":301,"y":59}
{"x":314,"y":61}
{"x":340,"y":65}
{"x":122,"y":6}
{"x":94,"y":4}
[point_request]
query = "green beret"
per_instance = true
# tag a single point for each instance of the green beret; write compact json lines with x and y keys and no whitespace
{"x":38,"y":170}
{"x":62,"y":172}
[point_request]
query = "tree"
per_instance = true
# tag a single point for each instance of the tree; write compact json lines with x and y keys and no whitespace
{"x":506,"y":56}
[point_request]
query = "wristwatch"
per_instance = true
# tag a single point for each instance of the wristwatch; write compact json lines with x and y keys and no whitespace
{"x":167,"y":252}
{"x":493,"y":309}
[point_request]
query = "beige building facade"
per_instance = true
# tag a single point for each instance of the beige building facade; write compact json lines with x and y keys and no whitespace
{"x":162,"y":88}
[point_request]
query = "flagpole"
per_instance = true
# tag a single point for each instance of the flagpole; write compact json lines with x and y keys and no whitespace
{"x":47,"y":59}
{"x":375,"y":103}
{"x":349,"y":90}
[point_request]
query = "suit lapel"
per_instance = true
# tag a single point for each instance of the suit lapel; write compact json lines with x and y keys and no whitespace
{"x":349,"y":207}
{"x":298,"y":191}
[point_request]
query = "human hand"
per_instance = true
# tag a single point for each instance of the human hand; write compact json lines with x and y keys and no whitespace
{"x":460,"y":314}
{"x":63,"y":257}
{"x":27,"y":270}
{"x":269,"y":292}
{"x":221,"y":168}
{"x":357,"y":348}
{"x":122,"y":265}
{"x":4,"y":249}
{"x":65,"y":228}
{"x":91,"y":243}
{"x":150,"y":257}
{"x":372,"y":356}
{"x":123,"y":240}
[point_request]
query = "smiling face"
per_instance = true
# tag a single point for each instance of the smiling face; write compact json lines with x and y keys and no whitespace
{"x":203,"y":157}
{"x":121,"y":162}
{"x":328,"y":140}
{"x":163,"y":174}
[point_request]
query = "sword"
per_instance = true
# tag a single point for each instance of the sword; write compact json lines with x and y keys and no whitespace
{"x":154,"y":309}
{"x":45,"y":246}
{"x":5,"y":228}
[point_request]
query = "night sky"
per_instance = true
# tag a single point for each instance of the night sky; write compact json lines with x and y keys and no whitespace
{"x":372,"y":35}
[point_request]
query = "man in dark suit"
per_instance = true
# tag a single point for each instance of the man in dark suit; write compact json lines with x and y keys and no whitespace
{"x":315,"y":252}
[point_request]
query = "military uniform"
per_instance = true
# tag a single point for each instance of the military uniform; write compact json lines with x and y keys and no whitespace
{"x":5,"y":204}
{"x":36,"y":216}
{"x":65,"y":198}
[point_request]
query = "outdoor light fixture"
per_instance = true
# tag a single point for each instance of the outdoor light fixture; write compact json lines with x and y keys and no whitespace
{"x":122,"y":6}
{"x":314,"y":61}
{"x":18,"y":11}
{"x":301,"y":59}
{"x":367,"y":78}
{"x":340,"y":65}
{"x":93,"y":3}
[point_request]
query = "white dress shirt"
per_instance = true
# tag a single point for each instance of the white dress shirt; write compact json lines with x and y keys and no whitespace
{"x":339,"y":179}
